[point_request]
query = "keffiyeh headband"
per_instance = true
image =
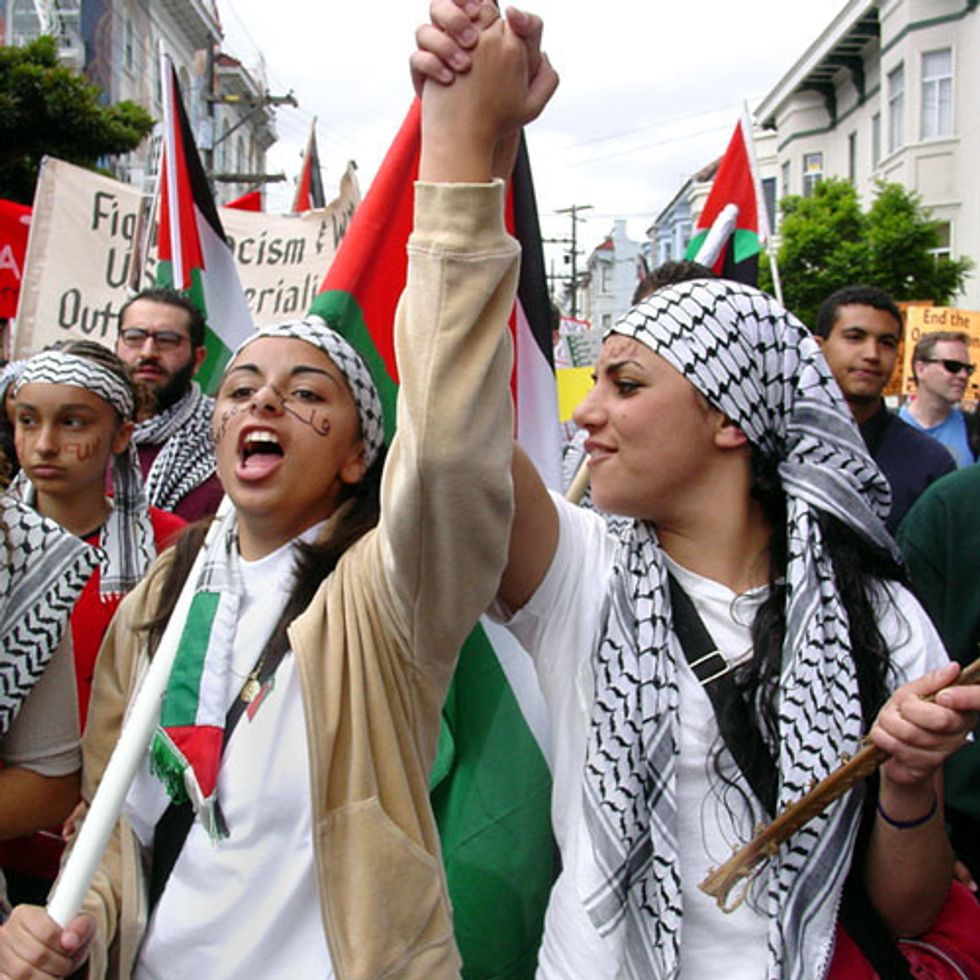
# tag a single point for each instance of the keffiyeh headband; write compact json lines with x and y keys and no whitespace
{"x":126,"y":540}
{"x":757,"y":364}
{"x":314,"y":330}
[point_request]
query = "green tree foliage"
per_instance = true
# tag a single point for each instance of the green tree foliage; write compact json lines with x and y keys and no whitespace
{"x":828,"y":242}
{"x":46,"y":108}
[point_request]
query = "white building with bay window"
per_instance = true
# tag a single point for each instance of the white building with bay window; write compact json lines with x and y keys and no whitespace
{"x":889,"y":91}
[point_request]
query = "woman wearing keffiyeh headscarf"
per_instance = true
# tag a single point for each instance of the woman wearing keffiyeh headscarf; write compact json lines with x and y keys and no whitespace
{"x":73,"y":412}
{"x":716,"y":426}
{"x":319,"y":632}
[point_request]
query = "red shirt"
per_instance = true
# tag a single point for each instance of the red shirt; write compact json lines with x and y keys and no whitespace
{"x":92,"y":613}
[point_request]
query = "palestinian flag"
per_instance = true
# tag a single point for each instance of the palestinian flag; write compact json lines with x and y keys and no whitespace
{"x":490,"y":786}
{"x":732,"y":228}
{"x":194,"y":256}
{"x":309,"y":190}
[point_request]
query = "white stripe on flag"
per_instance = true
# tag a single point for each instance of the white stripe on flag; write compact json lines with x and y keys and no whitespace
{"x":538,"y":426}
{"x":224,"y":299}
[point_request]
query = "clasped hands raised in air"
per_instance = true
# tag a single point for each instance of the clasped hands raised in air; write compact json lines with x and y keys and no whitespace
{"x":468,"y":112}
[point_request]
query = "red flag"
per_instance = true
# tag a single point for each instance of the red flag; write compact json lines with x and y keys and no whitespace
{"x":15,"y":223}
{"x":252,"y":201}
{"x":490,"y":786}
{"x":732,"y":227}
{"x":309,"y":190}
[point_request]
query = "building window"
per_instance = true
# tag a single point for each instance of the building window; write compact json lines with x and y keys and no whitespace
{"x":666,"y":250}
{"x":784,"y":183}
{"x":896,"y":108}
{"x":605,"y":279}
{"x":240,"y":156}
{"x":852,"y":157}
{"x":157,"y":77}
{"x":25,"y":24}
{"x":128,"y":55}
{"x":812,"y":172}
{"x":225,"y":145}
{"x":875,"y":140}
{"x":769,"y":197}
{"x":606,"y":322}
{"x":687,"y":229}
{"x":937,"y":94}
{"x":943,"y":249}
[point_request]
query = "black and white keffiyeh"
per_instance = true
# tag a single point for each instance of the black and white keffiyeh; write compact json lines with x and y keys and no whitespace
{"x":760,"y":366}
{"x":314,"y":330}
{"x":126,"y":540}
{"x":186,"y":457}
{"x":43,"y":569}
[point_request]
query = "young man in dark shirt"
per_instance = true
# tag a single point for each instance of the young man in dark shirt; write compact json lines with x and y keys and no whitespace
{"x":858,"y":329}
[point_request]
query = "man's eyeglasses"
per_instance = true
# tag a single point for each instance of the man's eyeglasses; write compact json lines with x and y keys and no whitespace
{"x":954,"y":367}
{"x":162,"y":339}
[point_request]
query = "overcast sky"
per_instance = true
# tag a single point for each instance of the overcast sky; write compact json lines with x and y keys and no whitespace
{"x":650,"y":90}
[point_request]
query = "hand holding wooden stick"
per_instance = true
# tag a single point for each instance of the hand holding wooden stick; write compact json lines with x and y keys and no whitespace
{"x":742,"y":865}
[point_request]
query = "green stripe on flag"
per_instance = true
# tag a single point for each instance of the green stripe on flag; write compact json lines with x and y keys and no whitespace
{"x":343,"y":313}
{"x":745,"y":244}
{"x":184,"y":686}
{"x":492,"y":801}
{"x":218,"y":355}
{"x":694,"y":245}
{"x":215,"y":361}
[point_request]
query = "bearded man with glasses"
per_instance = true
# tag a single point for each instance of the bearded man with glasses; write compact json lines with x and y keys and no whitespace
{"x":161,"y":339}
{"x":941,"y":368}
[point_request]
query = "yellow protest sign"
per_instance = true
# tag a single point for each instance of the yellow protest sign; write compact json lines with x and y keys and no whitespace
{"x":920,"y":320}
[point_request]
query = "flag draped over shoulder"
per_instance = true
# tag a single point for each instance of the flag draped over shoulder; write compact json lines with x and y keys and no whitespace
{"x":490,"y":787}
{"x":732,"y":228}
{"x":193,"y":251}
{"x":309,"y":190}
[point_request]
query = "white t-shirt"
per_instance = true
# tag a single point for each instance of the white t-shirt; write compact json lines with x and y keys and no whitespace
{"x":560,"y":627}
{"x":247,"y":905}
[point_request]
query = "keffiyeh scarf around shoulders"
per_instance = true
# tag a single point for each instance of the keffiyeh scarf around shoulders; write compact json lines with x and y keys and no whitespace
{"x":186,"y":458}
{"x":759,"y":365}
{"x":43,"y":569}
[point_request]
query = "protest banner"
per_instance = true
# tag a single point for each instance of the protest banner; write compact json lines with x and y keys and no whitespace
{"x":76,"y":274}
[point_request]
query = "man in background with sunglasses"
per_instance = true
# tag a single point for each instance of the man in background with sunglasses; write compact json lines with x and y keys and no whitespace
{"x":161,"y":339}
{"x":941,"y":368}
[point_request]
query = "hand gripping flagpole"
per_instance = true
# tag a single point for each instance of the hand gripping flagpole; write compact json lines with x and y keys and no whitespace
{"x":130,"y":751}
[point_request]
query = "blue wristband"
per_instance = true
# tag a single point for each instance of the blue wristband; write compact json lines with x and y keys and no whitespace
{"x":909,"y":824}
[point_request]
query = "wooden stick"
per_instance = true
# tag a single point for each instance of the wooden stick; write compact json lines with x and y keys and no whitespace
{"x":580,"y":483}
{"x":742,"y":865}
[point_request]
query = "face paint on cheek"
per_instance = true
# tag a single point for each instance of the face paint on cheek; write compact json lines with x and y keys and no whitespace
{"x":316,"y":418}
{"x":84,"y":451}
{"x":222,"y":426}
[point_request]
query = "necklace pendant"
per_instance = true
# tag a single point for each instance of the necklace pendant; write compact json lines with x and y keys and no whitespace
{"x":250,"y":690}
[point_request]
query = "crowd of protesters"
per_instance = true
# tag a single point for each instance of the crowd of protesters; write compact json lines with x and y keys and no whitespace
{"x":771,"y":566}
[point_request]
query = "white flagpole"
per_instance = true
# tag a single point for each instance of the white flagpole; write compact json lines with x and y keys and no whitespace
{"x":760,"y":206}
{"x":93,"y":838}
{"x":720,"y":231}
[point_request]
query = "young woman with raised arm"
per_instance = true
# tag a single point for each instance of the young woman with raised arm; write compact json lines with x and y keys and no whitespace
{"x":314,"y":851}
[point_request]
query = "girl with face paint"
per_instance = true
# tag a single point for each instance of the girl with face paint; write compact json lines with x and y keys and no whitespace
{"x":73,"y":412}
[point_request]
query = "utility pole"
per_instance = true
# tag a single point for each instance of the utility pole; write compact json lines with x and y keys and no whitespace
{"x":574,"y":211}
